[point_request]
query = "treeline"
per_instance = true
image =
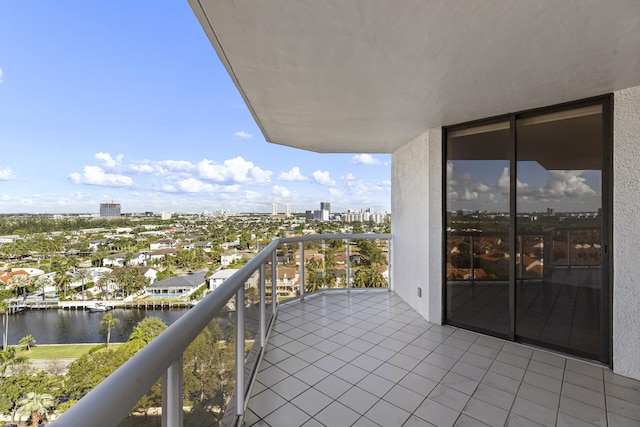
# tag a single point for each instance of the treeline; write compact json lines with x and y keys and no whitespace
{"x":23,"y":225}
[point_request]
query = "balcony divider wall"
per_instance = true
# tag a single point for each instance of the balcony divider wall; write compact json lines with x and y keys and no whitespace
{"x":527,"y":227}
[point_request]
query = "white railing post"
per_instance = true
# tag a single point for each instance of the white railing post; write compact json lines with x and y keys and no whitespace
{"x":240,"y":351}
{"x":172,"y":384}
{"x":348,"y":263}
{"x":301,"y":270}
{"x":389,"y":258}
{"x":274,"y":279}
{"x":263,"y":301}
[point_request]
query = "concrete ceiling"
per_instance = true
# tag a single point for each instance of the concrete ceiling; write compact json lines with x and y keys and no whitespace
{"x":369,"y":75}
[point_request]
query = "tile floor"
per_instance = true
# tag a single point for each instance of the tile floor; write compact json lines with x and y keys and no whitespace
{"x":365,"y":358}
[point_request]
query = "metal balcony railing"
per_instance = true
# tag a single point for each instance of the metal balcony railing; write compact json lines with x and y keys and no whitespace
{"x":555,"y":247}
{"x":116,"y":397}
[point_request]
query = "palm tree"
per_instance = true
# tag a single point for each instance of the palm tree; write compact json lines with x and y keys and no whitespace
{"x":104,"y":280}
{"x":8,"y":358}
{"x":4,"y":311}
{"x":35,"y":404}
{"x":83,"y":276}
{"x":62,"y":280}
{"x":360,"y":279}
{"x":109,"y":322}
{"x":41,"y":283}
{"x":27,"y":341}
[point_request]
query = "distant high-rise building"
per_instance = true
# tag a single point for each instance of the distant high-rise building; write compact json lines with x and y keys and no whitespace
{"x":309,"y":215}
{"x":551,"y":212}
{"x":274,"y":209}
{"x":325,"y":206}
{"x":288,"y":209}
{"x":110,"y":210}
{"x":165,"y":216}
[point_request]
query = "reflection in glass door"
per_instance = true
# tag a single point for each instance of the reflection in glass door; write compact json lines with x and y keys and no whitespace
{"x":477,"y":243}
{"x":527,"y":228}
{"x":559,"y":229}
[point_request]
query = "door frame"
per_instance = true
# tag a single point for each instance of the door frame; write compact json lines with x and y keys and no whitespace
{"x":606,"y":327}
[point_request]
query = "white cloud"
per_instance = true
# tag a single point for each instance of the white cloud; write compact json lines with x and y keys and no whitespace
{"x":386,"y":183}
{"x":323,"y":178}
{"x":107,"y":160}
{"x":365,"y":159}
{"x":236,"y":170}
{"x":567,"y":184}
{"x":177,"y":165}
{"x":336,"y":192}
{"x":348,"y":177}
{"x":26,"y":202}
{"x":293,"y":175}
{"x":7,"y":174}
{"x":141,"y":168}
{"x":280,"y":192}
{"x":4,"y":197}
{"x":242,"y":135}
{"x":192,"y":185}
{"x":95,"y":175}
{"x":469,"y":195}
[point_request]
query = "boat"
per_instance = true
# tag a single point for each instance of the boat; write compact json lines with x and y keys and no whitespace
{"x":16,"y":308}
{"x":99,"y":307}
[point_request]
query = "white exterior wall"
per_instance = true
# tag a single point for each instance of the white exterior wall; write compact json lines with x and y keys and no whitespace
{"x":416,"y":223}
{"x":626,"y":233}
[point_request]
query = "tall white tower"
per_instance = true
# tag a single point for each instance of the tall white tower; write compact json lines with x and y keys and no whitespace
{"x":288,"y":209}
{"x":274,"y":209}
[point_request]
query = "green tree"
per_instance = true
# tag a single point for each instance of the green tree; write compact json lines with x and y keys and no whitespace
{"x":209,"y":363}
{"x":62,"y":280}
{"x":107,"y":323}
{"x":35,"y":404}
{"x":83,"y":276}
{"x":24,"y":380}
{"x":41,"y":283}
{"x":145,"y":331}
{"x":9,"y":358}
{"x":27,"y":341}
{"x":104,"y":280}
{"x":4,"y":311}
{"x":20,"y":283}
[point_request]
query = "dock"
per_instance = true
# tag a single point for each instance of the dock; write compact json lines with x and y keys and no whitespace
{"x":84,"y":305}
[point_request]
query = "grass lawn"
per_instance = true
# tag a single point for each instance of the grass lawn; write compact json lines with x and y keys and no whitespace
{"x":57,"y":351}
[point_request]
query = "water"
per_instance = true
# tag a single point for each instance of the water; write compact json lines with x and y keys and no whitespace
{"x":70,"y":326}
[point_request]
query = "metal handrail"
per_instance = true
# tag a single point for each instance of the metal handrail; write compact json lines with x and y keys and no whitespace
{"x":113,"y":398}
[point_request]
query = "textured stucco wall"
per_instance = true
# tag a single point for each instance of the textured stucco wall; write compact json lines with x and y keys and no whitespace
{"x":626,"y":233}
{"x":416,"y":223}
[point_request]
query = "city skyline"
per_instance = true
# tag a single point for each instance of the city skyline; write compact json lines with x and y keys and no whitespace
{"x":105,"y":102}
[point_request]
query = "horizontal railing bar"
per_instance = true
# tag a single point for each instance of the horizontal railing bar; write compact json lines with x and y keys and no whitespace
{"x":113,"y":398}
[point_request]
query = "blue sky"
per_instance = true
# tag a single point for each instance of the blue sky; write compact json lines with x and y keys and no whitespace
{"x":127,"y":101}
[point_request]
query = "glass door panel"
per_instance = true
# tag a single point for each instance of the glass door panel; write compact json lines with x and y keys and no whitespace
{"x":477,"y":228}
{"x":559,"y":277}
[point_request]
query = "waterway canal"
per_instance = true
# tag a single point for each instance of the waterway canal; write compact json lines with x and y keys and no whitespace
{"x":71,"y":326}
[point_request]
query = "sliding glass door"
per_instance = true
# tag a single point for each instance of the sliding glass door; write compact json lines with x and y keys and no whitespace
{"x":527,"y":227}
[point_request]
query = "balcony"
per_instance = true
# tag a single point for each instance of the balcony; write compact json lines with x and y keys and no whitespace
{"x":350,"y":356}
{"x":365,"y":358}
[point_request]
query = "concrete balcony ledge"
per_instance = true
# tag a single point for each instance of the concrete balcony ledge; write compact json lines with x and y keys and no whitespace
{"x":365,"y":358}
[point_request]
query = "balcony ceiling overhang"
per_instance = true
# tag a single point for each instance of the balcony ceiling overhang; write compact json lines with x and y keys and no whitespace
{"x":369,"y":75}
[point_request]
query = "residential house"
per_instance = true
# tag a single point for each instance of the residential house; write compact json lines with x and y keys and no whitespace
{"x":177,"y":286}
{"x":220,"y":276}
{"x":121,"y":259}
{"x":162,"y":244}
{"x":229,"y":257}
